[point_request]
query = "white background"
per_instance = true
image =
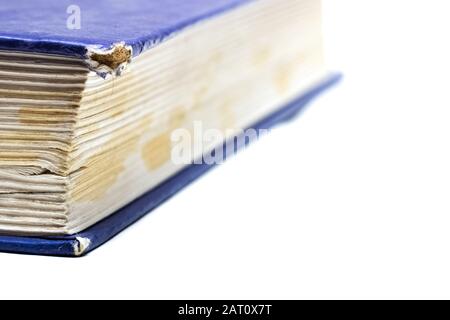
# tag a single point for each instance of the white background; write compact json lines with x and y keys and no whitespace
{"x":351,"y":200}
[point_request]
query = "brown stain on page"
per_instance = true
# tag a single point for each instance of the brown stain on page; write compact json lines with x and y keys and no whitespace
{"x":227,"y":115}
{"x":121,"y":103}
{"x":261,"y":57}
{"x":102,"y":170}
{"x":52,"y":147}
{"x":177,"y":118}
{"x":210,"y":72}
{"x":35,"y":116}
{"x":157,"y":152}
{"x":199,"y":97}
{"x":126,"y":91}
{"x":284,"y":76}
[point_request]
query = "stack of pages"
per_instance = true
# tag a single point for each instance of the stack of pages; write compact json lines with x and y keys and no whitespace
{"x":102,"y":102}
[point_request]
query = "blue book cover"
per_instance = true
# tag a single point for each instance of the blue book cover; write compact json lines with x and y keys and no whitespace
{"x":50,"y":26}
{"x":108,"y":35}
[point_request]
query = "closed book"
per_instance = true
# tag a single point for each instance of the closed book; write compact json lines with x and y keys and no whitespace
{"x":108,"y":108}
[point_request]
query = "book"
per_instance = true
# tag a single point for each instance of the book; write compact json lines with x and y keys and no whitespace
{"x":109,"y":108}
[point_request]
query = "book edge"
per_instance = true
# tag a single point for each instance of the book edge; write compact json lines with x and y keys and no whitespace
{"x":86,"y":241}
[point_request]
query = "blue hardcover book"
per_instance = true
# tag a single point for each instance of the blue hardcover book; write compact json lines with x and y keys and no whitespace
{"x":109,"y":108}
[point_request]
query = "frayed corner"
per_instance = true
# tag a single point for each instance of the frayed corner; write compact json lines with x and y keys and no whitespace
{"x":111,"y":61}
{"x":81,"y":245}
